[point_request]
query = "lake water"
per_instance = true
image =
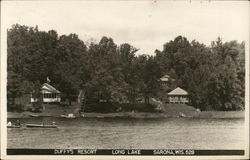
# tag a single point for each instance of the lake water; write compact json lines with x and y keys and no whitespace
{"x":121,"y":133}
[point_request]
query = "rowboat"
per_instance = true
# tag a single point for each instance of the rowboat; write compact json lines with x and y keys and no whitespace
{"x":64,"y":116}
{"x":100,"y":117}
{"x":68,"y":116}
{"x":16,"y":125}
{"x":44,"y":116}
{"x":36,"y":115}
{"x":13,"y":126}
{"x":33,"y":115}
{"x":41,"y":126}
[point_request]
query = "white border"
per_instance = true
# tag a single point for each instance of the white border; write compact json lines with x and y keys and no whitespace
{"x":3,"y":108}
{"x":247,"y":89}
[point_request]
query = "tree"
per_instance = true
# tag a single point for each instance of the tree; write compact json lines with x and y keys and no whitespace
{"x":213,"y":75}
{"x":20,"y":41}
{"x":68,"y":58}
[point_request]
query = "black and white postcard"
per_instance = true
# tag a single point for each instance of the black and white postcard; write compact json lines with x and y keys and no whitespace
{"x":139,"y":79}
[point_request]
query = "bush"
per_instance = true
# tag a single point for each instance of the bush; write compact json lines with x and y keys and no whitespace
{"x":15,"y":108}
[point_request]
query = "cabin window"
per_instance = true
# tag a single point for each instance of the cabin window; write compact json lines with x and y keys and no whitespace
{"x":53,"y":95}
{"x":49,"y":95}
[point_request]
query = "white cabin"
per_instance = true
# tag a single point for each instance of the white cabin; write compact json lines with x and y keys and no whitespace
{"x":164,"y":80}
{"x":178,"y":95}
{"x":49,"y":94}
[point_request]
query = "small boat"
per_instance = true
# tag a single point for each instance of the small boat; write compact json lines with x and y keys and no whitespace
{"x":44,"y":116}
{"x":14,"y":126}
{"x":71,"y":115}
{"x":41,"y":126}
{"x":33,"y":115}
{"x":100,"y":116}
{"x":68,"y":116}
{"x":64,"y":116}
{"x":181,"y":115}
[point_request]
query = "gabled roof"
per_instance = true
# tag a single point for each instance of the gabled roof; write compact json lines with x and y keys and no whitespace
{"x":50,"y":88}
{"x":165,"y":78}
{"x":178,"y":91}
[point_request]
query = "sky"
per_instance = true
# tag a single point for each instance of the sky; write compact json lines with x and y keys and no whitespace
{"x":145,"y":24}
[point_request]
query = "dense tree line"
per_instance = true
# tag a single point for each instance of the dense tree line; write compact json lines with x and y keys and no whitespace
{"x":214,"y":76}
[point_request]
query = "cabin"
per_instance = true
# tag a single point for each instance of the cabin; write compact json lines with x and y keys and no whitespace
{"x":49,"y":94}
{"x":164,"y":80}
{"x":178,"y":95}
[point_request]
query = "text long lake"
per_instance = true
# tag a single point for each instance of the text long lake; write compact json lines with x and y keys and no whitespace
{"x":121,"y":133}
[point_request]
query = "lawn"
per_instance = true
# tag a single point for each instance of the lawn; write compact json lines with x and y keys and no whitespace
{"x":170,"y":110}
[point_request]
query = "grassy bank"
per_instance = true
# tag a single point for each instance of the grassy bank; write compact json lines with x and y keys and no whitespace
{"x":220,"y":114}
{"x":189,"y":111}
{"x":170,"y":110}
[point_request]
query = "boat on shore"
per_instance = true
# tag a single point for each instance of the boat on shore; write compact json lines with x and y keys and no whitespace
{"x":63,"y":116}
{"x":41,"y":126}
{"x":33,"y":115}
{"x":68,"y":116}
{"x":182,"y":115}
{"x":100,"y":117}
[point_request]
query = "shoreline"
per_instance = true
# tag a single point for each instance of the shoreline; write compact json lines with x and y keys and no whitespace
{"x":145,"y":115}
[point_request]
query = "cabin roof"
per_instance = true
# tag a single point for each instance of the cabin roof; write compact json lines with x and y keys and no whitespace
{"x":49,"y":88}
{"x":165,"y":78}
{"x":178,"y":91}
